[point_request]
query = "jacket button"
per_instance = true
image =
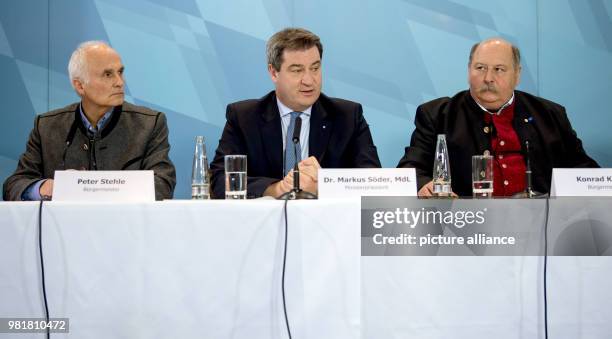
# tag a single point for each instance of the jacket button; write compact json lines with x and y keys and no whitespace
{"x":486,"y":129}
{"x":85,"y":147}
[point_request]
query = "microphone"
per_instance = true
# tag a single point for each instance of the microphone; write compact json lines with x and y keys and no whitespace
{"x":296,"y":131}
{"x":529,"y":187}
{"x":529,"y":192}
{"x":296,"y":192}
{"x":296,"y":140}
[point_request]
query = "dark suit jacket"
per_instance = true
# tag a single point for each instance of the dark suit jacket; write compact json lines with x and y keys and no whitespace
{"x":553,"y":142}
{"x":339,"y":138}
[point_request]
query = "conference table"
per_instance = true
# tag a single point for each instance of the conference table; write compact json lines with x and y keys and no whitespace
{"x":214,"y":269}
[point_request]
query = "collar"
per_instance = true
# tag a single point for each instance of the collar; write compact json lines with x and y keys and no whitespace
{"x":508,"y":103}
{"x":101,"y":123}
{"x":284,"y":110}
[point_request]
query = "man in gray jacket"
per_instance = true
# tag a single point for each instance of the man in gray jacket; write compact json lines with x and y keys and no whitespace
{"x":102,"y":132}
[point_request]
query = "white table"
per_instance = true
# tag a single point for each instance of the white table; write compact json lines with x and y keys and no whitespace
{"x":212,"y":269}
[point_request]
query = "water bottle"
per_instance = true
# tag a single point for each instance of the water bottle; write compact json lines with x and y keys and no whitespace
{"x":200,"y":174}
{"x":441,"y":171}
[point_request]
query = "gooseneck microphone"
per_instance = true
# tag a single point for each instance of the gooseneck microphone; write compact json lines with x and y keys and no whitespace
{"x":296,"y":140}
{"x":296,"y":192}
{"x":296,"y":131}
{"x":529,"y":188}
{"x":529,"y":192}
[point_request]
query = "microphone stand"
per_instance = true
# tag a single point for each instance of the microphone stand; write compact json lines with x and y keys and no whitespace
{"x":529,"y":193}
{"x":296,"y":192}
{"x":529,"y":188}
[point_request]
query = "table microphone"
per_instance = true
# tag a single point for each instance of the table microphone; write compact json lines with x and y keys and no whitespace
{"x":528,"y":166}
{"x":529,"y":192}
{"x":296,"y":192}
{"x":296,"y":140}
{"x":297,"y":130}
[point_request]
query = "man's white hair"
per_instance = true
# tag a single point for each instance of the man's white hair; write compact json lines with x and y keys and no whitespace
{"x":77,"y":66}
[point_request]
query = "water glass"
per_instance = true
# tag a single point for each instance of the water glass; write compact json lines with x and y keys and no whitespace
{"x":235,"y":177}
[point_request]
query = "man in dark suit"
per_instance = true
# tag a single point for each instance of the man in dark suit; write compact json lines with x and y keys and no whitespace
{"x":493,"y":118}
{"x":333,"y":132}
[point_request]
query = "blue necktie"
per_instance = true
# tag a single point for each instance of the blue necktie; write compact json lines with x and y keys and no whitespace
{"x":290,"y":158}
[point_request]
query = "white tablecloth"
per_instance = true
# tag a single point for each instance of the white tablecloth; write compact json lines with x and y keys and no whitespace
{"x":212,"y":269}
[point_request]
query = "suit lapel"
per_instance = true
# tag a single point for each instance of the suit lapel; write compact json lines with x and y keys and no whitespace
{"x":271,"y":134}
{"x":320,"y":130}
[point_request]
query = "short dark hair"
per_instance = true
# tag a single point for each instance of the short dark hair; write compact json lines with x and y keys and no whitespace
{"x":516,"y":53}
{"x":292,"y":39}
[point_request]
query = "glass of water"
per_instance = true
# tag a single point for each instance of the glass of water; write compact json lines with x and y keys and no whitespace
{"x":482,"y":176}
{"x":235,"y":176}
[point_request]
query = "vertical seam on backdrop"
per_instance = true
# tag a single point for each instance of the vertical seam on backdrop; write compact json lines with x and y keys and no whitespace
{"x":48,"y":55}
{"x":538,"y":47}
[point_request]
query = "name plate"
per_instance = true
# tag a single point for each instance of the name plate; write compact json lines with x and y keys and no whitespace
{"x":581,"y":182}
{"x":116,"y":186}
{"x":354,"y":182}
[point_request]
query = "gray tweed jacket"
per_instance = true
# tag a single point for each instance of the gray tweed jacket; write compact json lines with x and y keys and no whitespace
{"x":135,"y":138}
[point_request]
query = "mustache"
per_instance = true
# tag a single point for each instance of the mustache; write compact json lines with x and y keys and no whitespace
{"x":487,"y":88}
